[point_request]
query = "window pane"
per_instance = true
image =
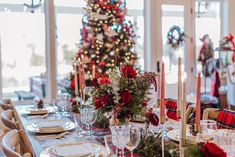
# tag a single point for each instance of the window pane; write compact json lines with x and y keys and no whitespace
{"x":171,"y":15}
{"x":23,"y":51}
{"x":68,"y":37}
{"x":135,"y":4}
{"x":135,"y":15}
{"x":70,"y":3}
{"x":210,"y":19}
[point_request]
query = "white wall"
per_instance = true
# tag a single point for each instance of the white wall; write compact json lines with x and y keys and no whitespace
{"x":231,"y":16}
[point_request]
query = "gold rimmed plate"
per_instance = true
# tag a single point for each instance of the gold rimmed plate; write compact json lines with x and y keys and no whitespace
{"x":62,"y":125}
{"x":88,"y":149}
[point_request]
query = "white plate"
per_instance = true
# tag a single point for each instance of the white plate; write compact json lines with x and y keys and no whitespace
{"x":65,"y":126}
{"x":45,"y":110}
{"x":49,"y":152}
{"x":174,"y":135}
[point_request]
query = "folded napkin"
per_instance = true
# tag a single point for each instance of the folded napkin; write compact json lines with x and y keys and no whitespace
{"x":38,"y":111}
{"x":34,"y":110}
{"x":51,"y":126}
{"x":73,"y":150}
{"x":51,"y":130}
{"x":51,"y":123}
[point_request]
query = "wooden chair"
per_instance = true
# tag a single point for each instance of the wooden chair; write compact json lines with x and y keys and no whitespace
{"x":7,"y":118}
{"x":225,"y":118}
{"x":210,"y":113}
{"x":11,"y":145}
{"x":6,"y":104}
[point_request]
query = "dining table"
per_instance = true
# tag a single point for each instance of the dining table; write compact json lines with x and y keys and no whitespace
{"x":39,"y":145}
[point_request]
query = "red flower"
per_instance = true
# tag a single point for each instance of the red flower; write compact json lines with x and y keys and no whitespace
{"x":98,"y":103}
{"x":129,"y":72}
{"x":108,"y":100}
{"x":152,"y":118}
{"x":95,"y":82}
{"x":72,"y":84}
{"x":211,"y":149}
{"x":105,"y":81}
{"x":126,"y":97}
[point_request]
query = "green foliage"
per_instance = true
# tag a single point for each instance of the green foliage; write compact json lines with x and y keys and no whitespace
{"x":151,"y":145}
{"x":193,"y":150}
{"x":102,"y":121}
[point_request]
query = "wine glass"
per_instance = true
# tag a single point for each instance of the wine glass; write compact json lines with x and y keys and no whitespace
{"x":208,"y":127}
{"x":225,"y":139}
{"x":134,"y":139}
{"x":78,"y":124}
{"x":63,"y":100}
{"x":120,"y":136}
{"x":88,"y":117}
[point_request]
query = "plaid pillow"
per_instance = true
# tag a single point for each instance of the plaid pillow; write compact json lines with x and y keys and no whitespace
{"x":171,"y":106}
{"x":226,"y":119}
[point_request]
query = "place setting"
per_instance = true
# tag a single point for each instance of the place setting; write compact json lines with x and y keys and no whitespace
{"x":39,"y":108}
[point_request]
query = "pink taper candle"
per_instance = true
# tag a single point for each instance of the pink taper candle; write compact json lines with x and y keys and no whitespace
{"x":198,"y":103}
{"x":162,"y":105}
{"x":83,"y":73}
{"x":80,"y":76}
{"x":76,"y":78}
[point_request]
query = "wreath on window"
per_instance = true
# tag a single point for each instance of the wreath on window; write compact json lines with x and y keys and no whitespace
{"x":175,"y":37}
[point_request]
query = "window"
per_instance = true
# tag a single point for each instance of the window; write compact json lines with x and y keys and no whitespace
{"x":171,"y":15}
{"x":22,"y":47}
{"x":135,"y":15}
{"x":208,"y":21}
{"x":69,"y":15}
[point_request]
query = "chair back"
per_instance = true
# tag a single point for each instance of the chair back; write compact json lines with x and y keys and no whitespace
{"x":11,"y":144}
{"x":7,"y":118}
{"x":226,"y":119}
{"x":231,"y":86}
{"x":6,"y":104}
{"x":171,"y":106}
{"x":210,"y":114}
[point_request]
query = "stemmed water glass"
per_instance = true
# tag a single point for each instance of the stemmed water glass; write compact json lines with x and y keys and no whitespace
{"x":134,"y":139}
{"x":88,"y":117}
{"x":120,"y":136}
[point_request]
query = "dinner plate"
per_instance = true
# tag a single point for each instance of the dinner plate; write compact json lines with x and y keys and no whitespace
{"x":62,"y":126}
{"x":174,"y":135}
{"x":39,"y":111}
{"x":96,"y":150}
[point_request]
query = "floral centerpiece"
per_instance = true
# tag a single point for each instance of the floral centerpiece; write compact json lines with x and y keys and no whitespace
{"x":122,"y":93}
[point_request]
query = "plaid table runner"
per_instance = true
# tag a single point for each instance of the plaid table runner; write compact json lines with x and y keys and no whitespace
{"x":99,"y":134}
{"x":226,"y":119}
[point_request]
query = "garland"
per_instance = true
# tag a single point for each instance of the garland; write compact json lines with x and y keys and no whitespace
{"x":226,"y":40}
{"x":175,"y":40}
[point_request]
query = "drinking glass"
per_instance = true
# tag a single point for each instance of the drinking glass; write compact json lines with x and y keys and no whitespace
{"x":208,"y":127}
{"x":78,"y":124}
{"x":63,"y":100}
{"x":134,"y":139}
{"x":225,"y":139}
{"x":88,"y":117}
{"x":120,"y":136}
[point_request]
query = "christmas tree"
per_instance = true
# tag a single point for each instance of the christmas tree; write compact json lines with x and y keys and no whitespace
{"x":107,"y":39}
